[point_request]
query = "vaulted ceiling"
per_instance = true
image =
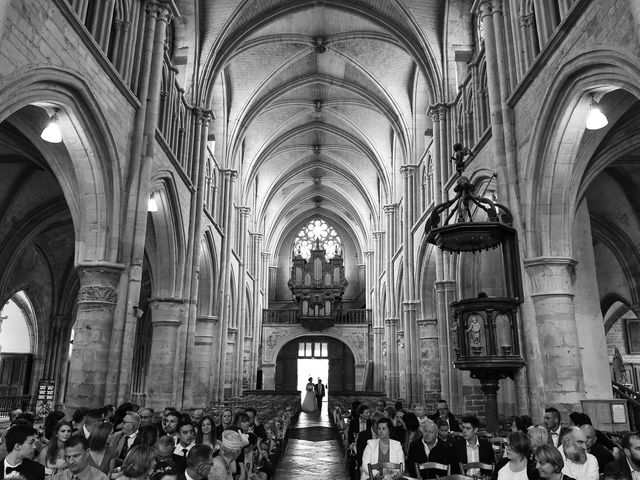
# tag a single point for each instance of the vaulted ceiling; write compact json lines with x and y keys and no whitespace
{"x":319,"y":103}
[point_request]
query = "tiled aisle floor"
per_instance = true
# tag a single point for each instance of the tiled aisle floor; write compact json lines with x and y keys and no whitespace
{"x":312,"y":451}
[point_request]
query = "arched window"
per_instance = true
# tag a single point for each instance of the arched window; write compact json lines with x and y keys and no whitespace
{"x":16,"y":325}
{"x":317,"y":230}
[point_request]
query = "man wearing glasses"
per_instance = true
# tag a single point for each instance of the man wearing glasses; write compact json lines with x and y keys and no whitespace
{"x":444,"y":414}
{"x":146,"y":416}
{"x":123,"y":440}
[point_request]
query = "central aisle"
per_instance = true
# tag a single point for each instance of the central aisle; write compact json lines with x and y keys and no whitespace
{"x":312,"y":451}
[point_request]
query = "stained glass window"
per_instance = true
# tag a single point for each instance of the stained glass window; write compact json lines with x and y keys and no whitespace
{"x":318,"y":230}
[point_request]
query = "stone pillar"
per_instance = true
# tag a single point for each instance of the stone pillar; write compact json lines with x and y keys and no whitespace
{"x":89,"y":367}
{"x":445,"y":294}
{"x":269,"y":376}
{"x":412,"y":348}
{"x":552,"y":280}
{"x":273,"y":276}
{"x":241,"y":304}
{"x":166,"y":318}
{"x":393,"y":375}
{"x":369,"y":257}
{"x":257,"y":308}
{"x":360,"y":380}
{"x":378,"y":359}
{"x":430,"y":357}
{"x":362,"y":278}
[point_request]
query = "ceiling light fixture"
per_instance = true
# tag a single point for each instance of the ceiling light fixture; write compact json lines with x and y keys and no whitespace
{"x":596,"y":119}
{"x":152,"y":206}
{"x":52,"y":133}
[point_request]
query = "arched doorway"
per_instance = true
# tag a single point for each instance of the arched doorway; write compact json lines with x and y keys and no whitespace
{"x":341,"y":364}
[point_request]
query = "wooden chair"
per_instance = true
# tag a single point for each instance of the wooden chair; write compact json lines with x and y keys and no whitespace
{"x":498,"y":443}
{"x":455,"y":476}
{"x":465,"y":467}
{"x":429,"y":466}
{"x":380,"y":466}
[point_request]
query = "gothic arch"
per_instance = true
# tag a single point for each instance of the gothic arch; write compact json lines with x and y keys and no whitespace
{"x":86,"y":163}
{"x":277,"y":339}
{"x":553,"y":171}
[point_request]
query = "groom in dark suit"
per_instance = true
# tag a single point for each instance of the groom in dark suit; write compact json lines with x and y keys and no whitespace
{"x":320,"y":391}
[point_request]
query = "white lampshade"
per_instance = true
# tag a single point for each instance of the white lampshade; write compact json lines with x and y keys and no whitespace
{"x":596,"y":119}
{"x":52,"y":133}
{"x":152,"y":206}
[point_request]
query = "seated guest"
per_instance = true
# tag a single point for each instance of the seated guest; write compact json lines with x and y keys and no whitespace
{"x":206,"y":434}
{"x":122,"y":441}
{"x":77,"y":456}
{"x":580,"y":419}
{"x":381,"y":449}
{"x":628,"y":465}
{"x":549,"y":463}
{"x":413,"y":431}
{"x":101,"y":456}
{"x":444,"y":433}
{"x":421,"y":413}
{"x":186,"y":441}
{"x":254,"y":426}
{"x":603,"y":456}
{"x":538,"y":436}
{"x":21,"y":441}
{"x":226,"y":464}
{"x":470,"y":448}
{"x":443,"y":413}
{"x":170,"y":424}
{"x":578,"y":463}
{"x":429,"y":449}
{"x":380,"y":405}
{"x":226,"y":421}
{"x":366,"y":435}
{"x":164,"y":449}
{"x":164,"y":471}
{"x":521,"y":424}
{"x":139,"y":463}
{"x":553,"y":426}
{"x":517,"y":463}
{"x":52,"y":456}
{"x":146,"y":416}
{"x":398,"y":432}
{"x":363,"y":422}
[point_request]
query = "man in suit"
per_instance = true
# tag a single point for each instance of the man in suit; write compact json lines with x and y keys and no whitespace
{"x":21,"y":445}
{"x":320,"y":391}
{"x":552,"y":424}
{"x":199,"y":462}
{"x":122,"y":441}
{"x":470,"y":448}
{"x":429,"y":449}
{"x":443,"y":413}
{"x":77,"y":456}
{"x":629,"y":461}
{"x":186,"y":442}
{"x":170,"y":424}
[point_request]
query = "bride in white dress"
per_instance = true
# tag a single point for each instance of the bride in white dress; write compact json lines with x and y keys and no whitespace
{"x":309,"y":403}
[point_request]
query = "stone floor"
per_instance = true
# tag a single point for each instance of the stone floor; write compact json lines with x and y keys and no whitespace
{"x":312,"y":451}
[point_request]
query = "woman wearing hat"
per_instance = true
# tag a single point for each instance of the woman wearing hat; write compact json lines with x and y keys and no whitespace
{"x":226,"y":465}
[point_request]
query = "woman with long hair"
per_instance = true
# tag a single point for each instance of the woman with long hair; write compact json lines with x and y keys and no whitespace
{"x":52,"y":456}
{"x":139,"y":463}
{"x":100,"y":454}
{"x":206,"y":433}
{"x":51,"y":422}
{"x":226,"y":420}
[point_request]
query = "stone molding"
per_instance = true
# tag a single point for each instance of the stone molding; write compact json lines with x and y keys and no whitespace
{"x":378,"y":330}
{"x":425,"y":322}
{"x":391,"y":322}
{"x":551,"y":275}
{"x":167,"y":311}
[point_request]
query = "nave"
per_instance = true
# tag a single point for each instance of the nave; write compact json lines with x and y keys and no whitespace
{"x":312,"y":450}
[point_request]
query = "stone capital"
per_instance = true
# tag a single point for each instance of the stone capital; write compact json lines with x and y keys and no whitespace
{"x":378,"y":330}
{"x":378,"y":235}
{"x":408,"y":170}
{"x":167,"y":311}
{"x":204,"y":115}
{"x":244,"y":211}
{"x":425,"y":322}
{"x":391,"y":322}
{"x":390,"y":208}
{"x":483,"y":8}
{"x":551,"y":275}
{"x":410,"y":305}
{"x":368,"y":253}
{"x":444,"y":285}
{"x":266,"y":255}
{"x":229,"y":175}
{"x":161,"y":10}
{"x":526,"y":20}
{"x":99,"y":282}
{"x":257,"y":237}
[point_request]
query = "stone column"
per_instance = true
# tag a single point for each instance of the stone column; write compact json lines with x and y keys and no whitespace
{"x":430,"y":357}
{"x":273,"y":276}
{"x":393,"y":376}
{"x":445,"y":294}
{"x":89,"y":367}
{"x":378,"y":359}
{"x":369,"y":258}
{"x":257,"y":308}
{"x":412,"y":349}
{"x":241,"y":301}
{"x":552,"y":280}
{"x":166,"y":318}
